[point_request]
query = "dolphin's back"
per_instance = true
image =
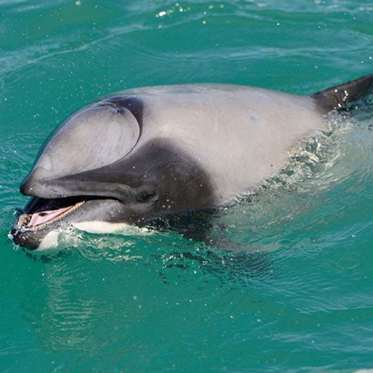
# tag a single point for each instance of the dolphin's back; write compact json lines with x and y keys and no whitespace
{"x":239,"y":135}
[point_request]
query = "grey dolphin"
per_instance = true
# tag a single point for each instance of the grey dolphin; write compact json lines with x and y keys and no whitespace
{"x":152,"y":152}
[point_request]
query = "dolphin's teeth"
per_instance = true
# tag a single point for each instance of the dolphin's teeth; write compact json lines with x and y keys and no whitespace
{"x":23,"y":221}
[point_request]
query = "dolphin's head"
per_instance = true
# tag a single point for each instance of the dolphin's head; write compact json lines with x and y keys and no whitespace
{"x":104,"y":166}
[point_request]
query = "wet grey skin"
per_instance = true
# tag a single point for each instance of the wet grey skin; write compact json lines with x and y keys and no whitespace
{"x":153,"y":153}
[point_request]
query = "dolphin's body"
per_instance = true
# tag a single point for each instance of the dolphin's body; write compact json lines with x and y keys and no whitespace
{"x":151,"y":152}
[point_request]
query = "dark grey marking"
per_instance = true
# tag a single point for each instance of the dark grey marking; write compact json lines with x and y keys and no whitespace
{"x":158,"y":181}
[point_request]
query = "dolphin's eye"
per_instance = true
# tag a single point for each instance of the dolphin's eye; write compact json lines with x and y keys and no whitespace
{"x":146,"y":196}
{"x":93,"y":138}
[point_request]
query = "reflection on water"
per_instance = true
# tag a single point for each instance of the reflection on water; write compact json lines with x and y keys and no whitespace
{"x":67,"y":318}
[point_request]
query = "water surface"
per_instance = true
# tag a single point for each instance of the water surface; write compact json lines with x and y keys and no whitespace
{"x":301,"y":301}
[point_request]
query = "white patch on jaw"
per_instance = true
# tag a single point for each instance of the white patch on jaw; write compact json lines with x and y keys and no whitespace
{"x":105,"y":227}
{"x":49,"y":241}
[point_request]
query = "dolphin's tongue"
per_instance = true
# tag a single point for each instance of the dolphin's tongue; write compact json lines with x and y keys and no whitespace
{"x":45,"y":216}
{"x":33,"y":220}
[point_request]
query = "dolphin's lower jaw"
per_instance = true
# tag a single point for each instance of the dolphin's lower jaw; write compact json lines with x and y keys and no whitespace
{"x":26,"y":238}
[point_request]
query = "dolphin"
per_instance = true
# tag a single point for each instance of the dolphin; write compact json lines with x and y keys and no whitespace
{"x":150,"y":153}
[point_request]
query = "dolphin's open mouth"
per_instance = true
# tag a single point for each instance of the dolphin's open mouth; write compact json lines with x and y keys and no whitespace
{"x":40,"y":219}
{"x":42,"y":216}
{"x":42,"y":212}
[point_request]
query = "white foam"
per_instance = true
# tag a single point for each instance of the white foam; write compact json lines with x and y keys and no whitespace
{"x":49,"y":241}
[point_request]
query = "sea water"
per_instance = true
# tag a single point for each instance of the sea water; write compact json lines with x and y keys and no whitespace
{"x":298,"y":298}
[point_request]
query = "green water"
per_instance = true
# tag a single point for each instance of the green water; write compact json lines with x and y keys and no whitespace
{"x":158,"y":302}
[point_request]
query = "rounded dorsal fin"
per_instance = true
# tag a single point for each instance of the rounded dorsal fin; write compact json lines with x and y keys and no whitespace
{"x":340,"y":97}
